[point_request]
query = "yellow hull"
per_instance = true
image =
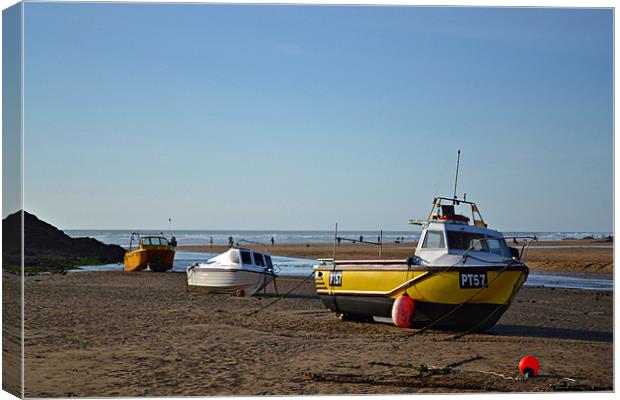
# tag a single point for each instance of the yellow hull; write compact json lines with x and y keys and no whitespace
{"x":155,"y":259}
{"x":470,"y":294}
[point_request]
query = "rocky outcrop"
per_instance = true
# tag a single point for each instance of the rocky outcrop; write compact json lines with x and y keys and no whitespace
{"x":47,"y":247}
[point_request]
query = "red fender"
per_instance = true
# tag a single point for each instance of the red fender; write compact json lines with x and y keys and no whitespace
{"x":402,"y":311}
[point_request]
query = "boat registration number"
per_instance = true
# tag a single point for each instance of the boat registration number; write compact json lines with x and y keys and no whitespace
{"x":473,"y":280}
{"x":335,"y":278}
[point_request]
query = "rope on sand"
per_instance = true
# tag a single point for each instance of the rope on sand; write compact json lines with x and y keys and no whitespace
{"x":280,"y":297}
{"x":563,"y":380}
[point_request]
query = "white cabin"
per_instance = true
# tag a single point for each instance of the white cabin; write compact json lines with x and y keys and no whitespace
{"x":242,"y":258}
{"x":446,"y":236}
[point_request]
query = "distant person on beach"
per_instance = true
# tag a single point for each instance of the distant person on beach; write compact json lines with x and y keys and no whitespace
{"x":173,"y":242}
{"x":231,"y":243}
{"x":339,"y":239}
{"x":272,"y":241}
{"x":378,"y":239}
{"x":210,"y":241}
{"x":361,"y":238}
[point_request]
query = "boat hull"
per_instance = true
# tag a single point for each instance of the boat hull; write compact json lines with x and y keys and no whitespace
{"x":155,"y":259}
{"x":223,"y":280}
{"x":444,"y":297}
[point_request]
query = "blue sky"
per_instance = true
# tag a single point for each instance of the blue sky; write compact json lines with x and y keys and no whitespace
{"x":297,"y":117}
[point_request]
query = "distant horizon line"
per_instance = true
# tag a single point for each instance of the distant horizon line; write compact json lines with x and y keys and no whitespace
{"x":309,"y":230}
{"x":411,"y":228}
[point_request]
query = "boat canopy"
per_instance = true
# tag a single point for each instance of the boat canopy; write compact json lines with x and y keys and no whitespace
{"x":442,"y":238}
{"x":149,"y":239}
{"x":239,"y":256}
{"x":446,"y":232}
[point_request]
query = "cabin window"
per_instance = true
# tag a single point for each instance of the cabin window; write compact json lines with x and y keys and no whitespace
{"x":154,"y":241}
{"x":246,"y":258}
{"x":433,"y":240}
{"x":258,"y":259}
{"x":146,"y":241}
{"x":498,"y":246}
{"x":268,"y":261}
{"x":458,"y":240}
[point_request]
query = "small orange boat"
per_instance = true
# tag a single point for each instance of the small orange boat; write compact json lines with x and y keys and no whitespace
{"x":154,"y":251}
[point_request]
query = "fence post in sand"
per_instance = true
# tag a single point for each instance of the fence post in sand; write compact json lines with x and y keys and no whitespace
{"x":335,"y":240}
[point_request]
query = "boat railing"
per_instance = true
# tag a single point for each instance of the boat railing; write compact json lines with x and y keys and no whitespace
{"x":526,"y":241}
{"x":477,"y":219}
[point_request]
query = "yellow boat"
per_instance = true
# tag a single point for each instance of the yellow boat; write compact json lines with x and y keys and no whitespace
{"x":154,"y":251}
{"x":462,"y":277}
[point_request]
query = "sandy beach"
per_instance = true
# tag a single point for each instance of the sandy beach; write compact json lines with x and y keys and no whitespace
{"x":566,"y":255}
{"x":146,"y":334}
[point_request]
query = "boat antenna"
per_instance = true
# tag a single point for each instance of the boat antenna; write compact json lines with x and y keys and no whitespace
{"x":170,"y":226}
{"x":456,"y":177}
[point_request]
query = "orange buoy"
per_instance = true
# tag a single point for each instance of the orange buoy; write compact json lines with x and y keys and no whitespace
{"x":402,"y":311}
{"x":528,"y":366}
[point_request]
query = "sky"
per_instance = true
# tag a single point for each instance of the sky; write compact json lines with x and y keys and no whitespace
{"x":298,"y":117}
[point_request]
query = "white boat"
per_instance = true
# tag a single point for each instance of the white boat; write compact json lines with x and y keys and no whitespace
{"x":238,"y":270}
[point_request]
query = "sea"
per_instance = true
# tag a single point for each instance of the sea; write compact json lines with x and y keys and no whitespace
{"x":303,"y":267}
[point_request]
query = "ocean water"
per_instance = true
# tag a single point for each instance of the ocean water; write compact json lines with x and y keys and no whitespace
{"x":183,"y":259}
{"x":287,"y":266}
{"x":198,"y":237}
{"x":303,"y":267}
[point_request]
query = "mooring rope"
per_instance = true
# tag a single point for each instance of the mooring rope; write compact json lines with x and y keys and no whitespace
{"x":473,"y":328}
{"x":459,"y":306}
{"x":280,"y":297}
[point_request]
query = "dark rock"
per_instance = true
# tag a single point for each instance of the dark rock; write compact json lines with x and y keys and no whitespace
{"x":49,"y":247}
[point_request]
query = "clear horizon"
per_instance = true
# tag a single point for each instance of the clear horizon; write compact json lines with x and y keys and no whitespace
{"x":286,"y":116}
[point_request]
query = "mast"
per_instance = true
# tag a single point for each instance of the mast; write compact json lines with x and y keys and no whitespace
{"x":456,"y":177}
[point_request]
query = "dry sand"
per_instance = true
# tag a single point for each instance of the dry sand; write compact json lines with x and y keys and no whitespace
{"x":11,"y":334}
{"x":595,"y":257}
{"x":145,"y":334}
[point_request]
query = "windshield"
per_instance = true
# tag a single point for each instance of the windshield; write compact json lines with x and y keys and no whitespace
{"x":477,"y":242}
{"x":246,"y":258}
{"x":498,"y":246}
{"x":433,"y":240}
{"x":458,"y":240}
{"x":154,"y":241}
{"x":258,"y":259}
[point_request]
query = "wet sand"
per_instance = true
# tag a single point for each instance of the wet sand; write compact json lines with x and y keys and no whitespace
{"x":145,"y":334}
{"x":595,"y":256}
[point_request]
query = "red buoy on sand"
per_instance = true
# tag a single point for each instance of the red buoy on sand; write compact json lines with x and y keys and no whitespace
{"x":528,"y":366}
{"x":402,"y":311}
